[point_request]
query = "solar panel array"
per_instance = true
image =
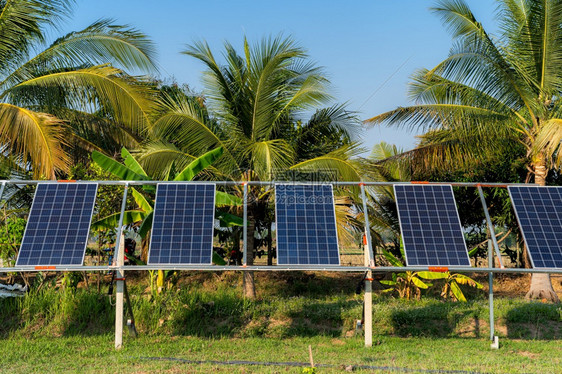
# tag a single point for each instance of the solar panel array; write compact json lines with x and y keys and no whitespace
{"x":430,"y":226}
{"x":183,"y":223}
{"x":306,"y":225}
{"x":58,"y":225}
{"x":539,"y":213}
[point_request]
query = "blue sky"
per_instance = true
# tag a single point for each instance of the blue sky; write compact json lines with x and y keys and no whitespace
{"x":361,"y":44}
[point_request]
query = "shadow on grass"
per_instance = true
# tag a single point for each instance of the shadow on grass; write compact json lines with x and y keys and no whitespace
{"x":515,"y":319}
{"x":231,"y":316}
{"x":534,"y":321}
{"x":437,"y":319}
{"x":55,"y":312}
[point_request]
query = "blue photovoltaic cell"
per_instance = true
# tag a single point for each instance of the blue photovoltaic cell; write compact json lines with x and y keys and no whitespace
{"x":183,"y":223}
{"x":539,"y":212}
{"x":58,"y":225}
{"x":430,"y":225}
{"x":306,"y":225}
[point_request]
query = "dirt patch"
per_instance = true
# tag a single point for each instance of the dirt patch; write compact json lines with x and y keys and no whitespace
{"x":528,"y":354}
{"x":515,"y":285}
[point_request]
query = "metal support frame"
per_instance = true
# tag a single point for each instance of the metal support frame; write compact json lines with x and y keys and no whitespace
{"x":120,"y":273}
{"x":245,"y":226}
{"x":493,"y":336}
{"x":490,"y":225}
{"x":369,"y":261}
{"x":368,"y":268}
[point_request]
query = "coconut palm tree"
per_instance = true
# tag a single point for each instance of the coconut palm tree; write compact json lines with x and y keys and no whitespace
{"x":254,"y":108}
{"x":491,"y":92}
{"x":42,"y":86}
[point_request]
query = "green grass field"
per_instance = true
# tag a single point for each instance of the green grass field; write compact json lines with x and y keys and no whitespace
{"x":202,"y":324}
{"x":96,"y":354}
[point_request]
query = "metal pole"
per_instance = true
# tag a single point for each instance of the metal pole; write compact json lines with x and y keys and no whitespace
{"x":369,"y":261}
{"x":245,"y":226}
{"x":491,"y":289}
{"x":120,"y":274}
{"x":490,"y":225}
{"x":493,"y":336}
{"x":2,"y":189}
{"x":369,"y":248}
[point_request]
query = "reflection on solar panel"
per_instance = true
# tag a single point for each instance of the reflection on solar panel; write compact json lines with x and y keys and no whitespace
{"x":306,"y":225}
{"x":58,"y":225}
{"x":539,"y":212}
{"x":430,"y":226}
{"x":182,"y":227}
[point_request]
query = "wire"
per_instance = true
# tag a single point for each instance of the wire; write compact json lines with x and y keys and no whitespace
{"x":386,"y":81}
{"x":303,"y":364}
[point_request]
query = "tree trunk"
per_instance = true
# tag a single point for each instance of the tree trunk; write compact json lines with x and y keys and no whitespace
{"x":541,"y":285}
{"x":248,"y":279}
{"x":269,"y":245}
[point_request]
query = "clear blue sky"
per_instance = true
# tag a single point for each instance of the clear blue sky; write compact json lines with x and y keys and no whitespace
{"x":360,"y":43}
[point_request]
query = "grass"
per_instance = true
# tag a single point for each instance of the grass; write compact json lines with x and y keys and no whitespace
{"x":204,"y":318}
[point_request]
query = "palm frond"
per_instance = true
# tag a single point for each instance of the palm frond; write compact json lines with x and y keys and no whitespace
{"x":340,"y":164}
{"x":269,"y":157}
{"x":37,"y":138}
{"x":22,"y":24}
{"x":126,"y":101}
{"x":100,"y":43}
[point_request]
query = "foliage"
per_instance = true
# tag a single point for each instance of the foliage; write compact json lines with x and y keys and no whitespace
{"x":490,"y":94}
{"x":451,"y":287}
{"x":130,"y":169}
{"x":254,"y":107}
{"x":409,"y":284}
{"x":42,"y":86}
{"x":11,"y":235}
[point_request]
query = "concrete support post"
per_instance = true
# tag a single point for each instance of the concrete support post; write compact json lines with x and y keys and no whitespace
{"x":119,"y":298}
{"x":120,"y":274}
{"x":369,"y":261}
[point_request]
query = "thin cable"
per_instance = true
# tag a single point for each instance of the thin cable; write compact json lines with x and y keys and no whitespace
{"x":386,"y":81}
{"x":303,"y":364}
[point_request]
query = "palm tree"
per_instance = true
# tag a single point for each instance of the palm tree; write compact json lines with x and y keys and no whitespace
{"x":491,"y":92}
{"x":43,"y":86}
{"x":254,"y":107}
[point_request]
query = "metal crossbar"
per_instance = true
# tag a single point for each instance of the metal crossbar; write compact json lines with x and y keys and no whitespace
{"x":368,"y":267}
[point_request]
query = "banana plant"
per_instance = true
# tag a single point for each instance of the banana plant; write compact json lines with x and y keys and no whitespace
{"x":131,"y":170}
{"x":407,"y":284}
{"x":451,"y":288}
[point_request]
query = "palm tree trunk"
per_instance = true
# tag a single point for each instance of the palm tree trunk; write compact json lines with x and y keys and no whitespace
{"x":248,"y":279}
{"x":541,"y":285}
{"x":269,"y":245}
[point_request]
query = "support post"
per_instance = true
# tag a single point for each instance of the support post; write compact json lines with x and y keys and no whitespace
{"x":120,"y":274}
{"x":245,"y":226}
{"x":490,"y":226}
{"x":493,"y":336}
{"x":369,"y":261}
{"x":131,"y":324}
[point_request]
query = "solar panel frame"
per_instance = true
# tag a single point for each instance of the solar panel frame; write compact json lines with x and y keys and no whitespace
{"x":457,"y":222}
{"x":31,"y":217}
{"x":532,"y":247}
{"x":212,"y":224}
{"x":280,"y":254}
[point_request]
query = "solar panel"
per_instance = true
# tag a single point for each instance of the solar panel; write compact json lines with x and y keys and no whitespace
{"x":58,"y":224}
{"x":306,"y":225}
{"x":539,"y":213}
{"x":183,"y":223}
{"x":430,"y":226}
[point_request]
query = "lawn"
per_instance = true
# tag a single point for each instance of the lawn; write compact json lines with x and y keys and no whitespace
{"x":202,"y":324}
{"x":180,"y":354}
